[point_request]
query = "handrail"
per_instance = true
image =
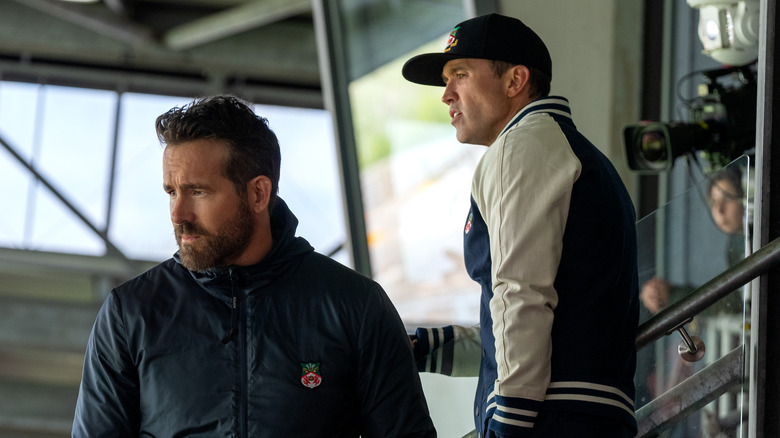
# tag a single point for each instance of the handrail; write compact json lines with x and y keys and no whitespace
{"x":704,"y":296}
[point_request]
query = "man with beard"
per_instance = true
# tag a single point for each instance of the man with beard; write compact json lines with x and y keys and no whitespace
{"x":246,"y":331}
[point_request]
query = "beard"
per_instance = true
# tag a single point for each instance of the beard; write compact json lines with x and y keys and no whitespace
{"x":218,"y":249}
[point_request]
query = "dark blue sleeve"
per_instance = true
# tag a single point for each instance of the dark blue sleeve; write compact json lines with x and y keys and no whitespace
{"x":388,"y":386}
{"x":108,"y":400}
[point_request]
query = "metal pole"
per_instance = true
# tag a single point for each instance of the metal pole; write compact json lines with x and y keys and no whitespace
{"x":114,"y":153}
{"x":335,"y":90}
{"x":764,"y":392}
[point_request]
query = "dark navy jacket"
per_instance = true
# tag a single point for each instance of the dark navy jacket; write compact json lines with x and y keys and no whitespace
{"x":317,"y":350}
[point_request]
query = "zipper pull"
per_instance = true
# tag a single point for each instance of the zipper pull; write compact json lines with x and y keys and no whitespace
{"x":233,"y":310}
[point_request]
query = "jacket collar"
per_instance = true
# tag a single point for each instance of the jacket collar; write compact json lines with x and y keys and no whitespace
{"x":557,"y":106}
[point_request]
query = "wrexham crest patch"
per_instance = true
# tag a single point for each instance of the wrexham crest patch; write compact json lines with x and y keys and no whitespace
{"x":310,"y":374}
{"x":452,"y":41}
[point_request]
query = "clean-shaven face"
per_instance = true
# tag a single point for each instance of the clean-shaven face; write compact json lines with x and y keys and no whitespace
{"x":479,"y":105}
{"x":212,"y":223}
{"x":727,"y":209}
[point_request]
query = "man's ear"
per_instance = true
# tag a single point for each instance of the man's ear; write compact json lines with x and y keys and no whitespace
{"x":518,"y":79}
{"x":259,"y":193}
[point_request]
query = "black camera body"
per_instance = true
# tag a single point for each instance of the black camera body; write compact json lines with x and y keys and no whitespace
{"x":722,"y":126}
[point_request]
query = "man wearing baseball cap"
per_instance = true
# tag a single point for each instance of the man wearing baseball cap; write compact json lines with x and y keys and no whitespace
{"x":550,"y":237}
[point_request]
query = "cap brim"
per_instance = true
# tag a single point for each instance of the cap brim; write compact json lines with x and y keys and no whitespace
{"x":426,"y":69}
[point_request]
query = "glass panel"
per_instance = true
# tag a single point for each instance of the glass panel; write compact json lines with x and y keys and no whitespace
{"x":309,"y":181}
{"x":140,"y":225}
{"x":682,"y":245}
{"x":66,"y":134}
{"x":415,"y":178}
{"x":18,"y":104}
{"x":17,"y":117}
{"x":76,"y":128}
{"x":412,"y":167}
{"x":377,"y":32}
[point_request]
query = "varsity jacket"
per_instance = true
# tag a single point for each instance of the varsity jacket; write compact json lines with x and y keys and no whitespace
{"x":296,"y":345}
{"x":551,"y":239}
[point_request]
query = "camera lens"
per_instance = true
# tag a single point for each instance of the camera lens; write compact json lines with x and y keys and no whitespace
{"x":649,"y":146}
{"x":653,"y":146}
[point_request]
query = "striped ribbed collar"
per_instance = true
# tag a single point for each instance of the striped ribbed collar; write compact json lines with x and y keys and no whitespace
{"x":550,"y":104}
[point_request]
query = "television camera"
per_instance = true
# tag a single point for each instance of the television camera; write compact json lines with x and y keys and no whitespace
{"x":723,"y":115}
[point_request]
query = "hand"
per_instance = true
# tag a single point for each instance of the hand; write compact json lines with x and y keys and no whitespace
{"x":655,"y":294}
{"x":415,"y":348}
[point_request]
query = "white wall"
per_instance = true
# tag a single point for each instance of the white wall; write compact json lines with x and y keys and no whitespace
{"x":595,"y":47}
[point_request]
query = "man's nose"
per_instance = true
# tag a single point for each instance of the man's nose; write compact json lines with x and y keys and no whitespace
{"x":181,"y":211}
{"x":449,"y":95}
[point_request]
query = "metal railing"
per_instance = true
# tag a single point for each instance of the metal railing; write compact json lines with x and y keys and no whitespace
{"x":701,"y":298}
{"x":718,"y":377}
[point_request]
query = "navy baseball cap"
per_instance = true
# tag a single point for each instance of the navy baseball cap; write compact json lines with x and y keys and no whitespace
{"x":494,"y":37}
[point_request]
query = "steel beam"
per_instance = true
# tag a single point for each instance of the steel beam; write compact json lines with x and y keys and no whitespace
{"x":232,"y":21}
{"x":109,"y":25}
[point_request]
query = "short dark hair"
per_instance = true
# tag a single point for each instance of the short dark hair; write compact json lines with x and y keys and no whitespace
{"x":253,"y":148}
{"x":539,"y":81}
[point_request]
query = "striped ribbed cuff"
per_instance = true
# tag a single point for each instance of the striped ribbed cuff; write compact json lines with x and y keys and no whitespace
{"x":434,"y":359}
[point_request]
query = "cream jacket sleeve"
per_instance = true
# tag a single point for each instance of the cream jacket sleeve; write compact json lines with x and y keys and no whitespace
{"x":522,"y":187}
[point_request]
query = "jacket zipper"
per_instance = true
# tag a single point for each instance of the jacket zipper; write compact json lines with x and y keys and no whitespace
{"x":244,"y":377}
{"x":243,"y":391}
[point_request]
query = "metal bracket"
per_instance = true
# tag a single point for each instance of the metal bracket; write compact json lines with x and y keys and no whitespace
{"x":692,"y":348}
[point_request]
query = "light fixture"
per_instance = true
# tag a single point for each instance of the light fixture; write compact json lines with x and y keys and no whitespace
{"x":728,"y":30}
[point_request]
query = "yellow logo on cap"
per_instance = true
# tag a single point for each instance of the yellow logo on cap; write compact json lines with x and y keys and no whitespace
{"x":452,"y":41}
